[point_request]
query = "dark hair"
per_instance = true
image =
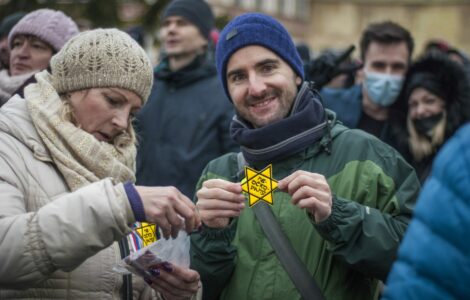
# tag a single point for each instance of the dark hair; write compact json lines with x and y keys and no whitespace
{"x":386,"y":32}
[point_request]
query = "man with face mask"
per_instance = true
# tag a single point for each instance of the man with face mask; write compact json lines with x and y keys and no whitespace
{"x":386,"y":50}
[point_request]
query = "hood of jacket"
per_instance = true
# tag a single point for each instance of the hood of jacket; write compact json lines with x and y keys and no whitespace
{"x":15,"y":121}
{"x":454,"y":87}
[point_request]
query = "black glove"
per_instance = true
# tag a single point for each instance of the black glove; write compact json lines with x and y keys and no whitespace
{"x":325,"y":67}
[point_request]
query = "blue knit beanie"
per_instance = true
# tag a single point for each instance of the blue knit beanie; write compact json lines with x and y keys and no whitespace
{"x":255,"y":29}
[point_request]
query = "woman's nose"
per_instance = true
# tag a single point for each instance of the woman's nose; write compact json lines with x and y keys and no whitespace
{"x":23,"y":50}
{"x":121,"y":120}
{"x":420,"y":110}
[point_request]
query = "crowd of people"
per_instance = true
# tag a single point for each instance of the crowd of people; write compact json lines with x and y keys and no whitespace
{"x":94,"y":138}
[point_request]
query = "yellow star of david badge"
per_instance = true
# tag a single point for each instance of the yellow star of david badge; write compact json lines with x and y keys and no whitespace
{"x":259,"y":185}
{"x":148,"y":233}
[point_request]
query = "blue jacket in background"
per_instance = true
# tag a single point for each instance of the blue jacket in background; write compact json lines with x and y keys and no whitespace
{"x":434,"y":258}
{"x":183,"y":125}
{"x":347,"y":104}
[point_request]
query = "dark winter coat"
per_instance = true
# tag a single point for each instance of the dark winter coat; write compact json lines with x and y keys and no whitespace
{"x":183,"y":125}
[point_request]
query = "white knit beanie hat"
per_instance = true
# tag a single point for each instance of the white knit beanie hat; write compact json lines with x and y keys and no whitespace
{"x":102,"y":58}
{"x":50,"y":26}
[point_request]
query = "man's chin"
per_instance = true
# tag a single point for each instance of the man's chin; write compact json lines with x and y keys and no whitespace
{"x":263,"y":121}
{"x":174,"y":52}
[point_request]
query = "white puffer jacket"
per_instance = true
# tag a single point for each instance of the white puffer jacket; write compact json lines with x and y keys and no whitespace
{"x":55,"y":244}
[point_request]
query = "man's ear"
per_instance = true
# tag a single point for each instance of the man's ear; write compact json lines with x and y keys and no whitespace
{"x":298,"y":80}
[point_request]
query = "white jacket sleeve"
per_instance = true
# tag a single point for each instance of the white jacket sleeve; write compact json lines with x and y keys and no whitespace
{"x":61,"y":234}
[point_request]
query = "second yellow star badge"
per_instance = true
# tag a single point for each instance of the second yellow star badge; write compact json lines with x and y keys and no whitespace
{"x":259,"y":185}
{"x":147,"y":232}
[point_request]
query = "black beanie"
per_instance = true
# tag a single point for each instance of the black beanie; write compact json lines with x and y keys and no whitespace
{"x":198,"y":12}
{"x":436,"y":73}
{"x":427,"y":81}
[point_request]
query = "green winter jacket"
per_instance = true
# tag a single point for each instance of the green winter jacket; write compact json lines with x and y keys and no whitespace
{"x":374,"y":194}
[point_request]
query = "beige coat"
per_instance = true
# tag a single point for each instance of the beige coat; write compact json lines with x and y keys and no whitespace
{"x":55,"y":244}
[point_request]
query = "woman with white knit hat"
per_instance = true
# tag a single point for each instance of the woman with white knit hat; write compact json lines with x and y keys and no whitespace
{"x":67,"y":160}
{"x":32,"y":42}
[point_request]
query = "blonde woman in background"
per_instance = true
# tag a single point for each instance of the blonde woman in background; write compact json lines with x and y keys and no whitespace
{"x":433,"y":104}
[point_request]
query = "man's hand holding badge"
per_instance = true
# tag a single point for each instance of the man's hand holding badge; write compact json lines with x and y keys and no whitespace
{"x":219,"y":200}
{"x":310,"y":191}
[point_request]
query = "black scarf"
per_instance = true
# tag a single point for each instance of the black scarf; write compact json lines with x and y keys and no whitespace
{"x":306,"y":124}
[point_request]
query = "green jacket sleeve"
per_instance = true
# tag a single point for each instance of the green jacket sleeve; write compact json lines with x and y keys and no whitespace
{"x":365,"y":228}
{"x":212,"y":253}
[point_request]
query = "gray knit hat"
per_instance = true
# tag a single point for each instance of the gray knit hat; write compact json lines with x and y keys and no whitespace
{"x":50,"y":26}
{"x":102,"y":58}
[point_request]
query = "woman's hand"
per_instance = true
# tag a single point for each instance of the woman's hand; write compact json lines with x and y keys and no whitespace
{"x":174,"y":282}
{"x":169,"y":209}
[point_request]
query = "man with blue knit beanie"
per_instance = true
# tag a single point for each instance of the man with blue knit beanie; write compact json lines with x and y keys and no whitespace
{"x":344,"y":198}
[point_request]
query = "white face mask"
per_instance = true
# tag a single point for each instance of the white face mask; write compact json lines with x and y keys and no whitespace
{"x":383,"y":89}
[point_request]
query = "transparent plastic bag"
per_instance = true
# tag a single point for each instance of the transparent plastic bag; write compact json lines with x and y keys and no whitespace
{"x":150,"y":259}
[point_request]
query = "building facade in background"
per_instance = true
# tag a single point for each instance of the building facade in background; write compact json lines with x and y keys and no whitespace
{"x":339,"y":23}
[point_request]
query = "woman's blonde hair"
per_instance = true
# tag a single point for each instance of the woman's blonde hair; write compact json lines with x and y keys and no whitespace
{"x":422,"y":146}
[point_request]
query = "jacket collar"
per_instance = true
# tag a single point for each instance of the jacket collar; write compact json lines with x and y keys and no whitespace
{"x":201,"y":67}
{"x":16,"y":121}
